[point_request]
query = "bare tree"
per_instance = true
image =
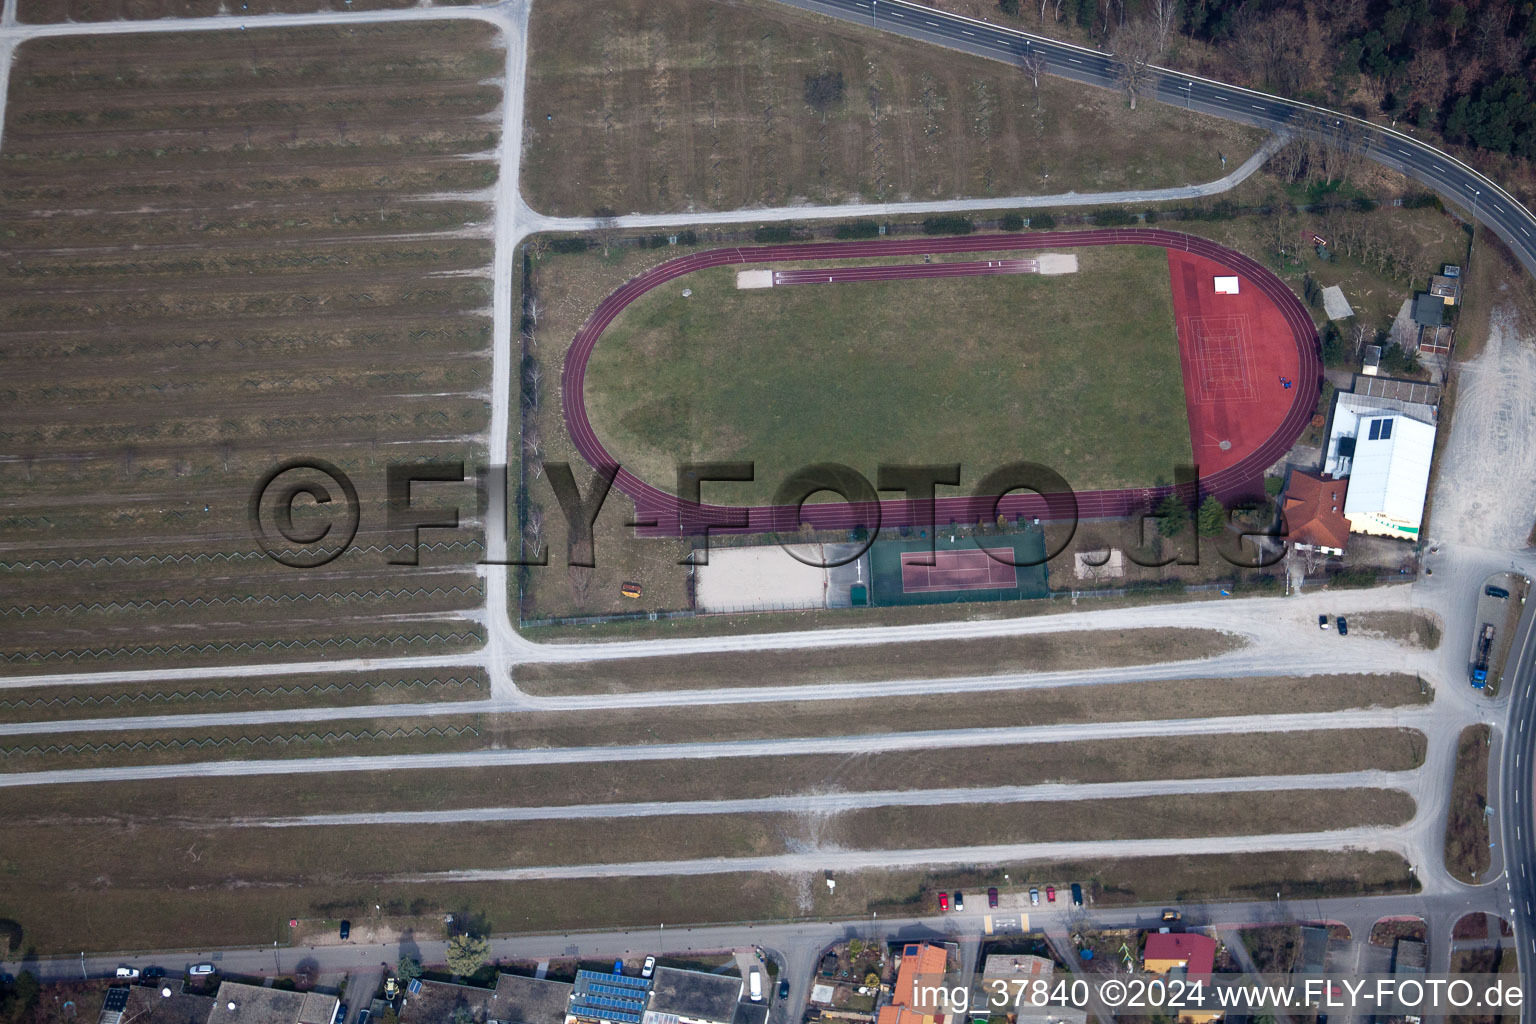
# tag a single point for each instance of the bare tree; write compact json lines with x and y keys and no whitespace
{"x":538,"y":247}
{"x":1362,"y":336}
{"x":1033,"y":65}
{"x":1133,"y":45}
{"x":534,"y":308}
{"x":1165,"y":15}
{"x":606,"y":228}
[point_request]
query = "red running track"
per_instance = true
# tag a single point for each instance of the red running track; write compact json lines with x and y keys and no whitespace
{"x":666,"y":515}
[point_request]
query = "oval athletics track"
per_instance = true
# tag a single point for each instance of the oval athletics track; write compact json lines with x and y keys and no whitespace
{"x":665,"y":515}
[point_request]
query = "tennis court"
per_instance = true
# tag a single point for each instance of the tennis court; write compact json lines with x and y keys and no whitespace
{"x":977,"y":569}
{"x":996,"y":567}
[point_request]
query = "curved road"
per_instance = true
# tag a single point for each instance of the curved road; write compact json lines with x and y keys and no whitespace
{"x":664,"y":514}
{"x":1493,"y":207}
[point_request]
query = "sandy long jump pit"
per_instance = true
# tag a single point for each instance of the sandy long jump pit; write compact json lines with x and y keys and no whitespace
{"x":764,"y":576}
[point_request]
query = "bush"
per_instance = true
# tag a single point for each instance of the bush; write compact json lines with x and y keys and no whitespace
{"x":1422,"y":200}
{"x":824,"y":91}
{"x":1010,"y":7}
{"x":1042,"y":222}
{"x":1362,"y":204}
{"x":774,"y":233}
{"x":1011,"y":222}
{"x":1112,"y":218}
{"x":1149,"y":217}
{"x":858,"y":229}
{"x":689,"y":237}
{"x":948,"y":226}
{"x":1353,"y":578}
{"x":569,"y":245}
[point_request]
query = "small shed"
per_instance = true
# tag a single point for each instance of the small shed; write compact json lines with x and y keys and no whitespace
{"x":1226,"y":286}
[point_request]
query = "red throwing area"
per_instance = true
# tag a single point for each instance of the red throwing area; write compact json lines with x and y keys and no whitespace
{"x":1242,"y":370}
{"x":965,"y":569}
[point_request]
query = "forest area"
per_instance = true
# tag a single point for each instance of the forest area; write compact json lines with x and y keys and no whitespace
{"x":1459,"y":69}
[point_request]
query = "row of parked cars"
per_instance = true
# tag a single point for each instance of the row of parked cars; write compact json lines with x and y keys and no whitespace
{"x":1034,"y":898}
{"x":154,"y":973}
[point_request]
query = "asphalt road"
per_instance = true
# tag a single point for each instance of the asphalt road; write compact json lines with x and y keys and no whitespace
{"x":1514,"y":807}
{"x":1491,"y":205}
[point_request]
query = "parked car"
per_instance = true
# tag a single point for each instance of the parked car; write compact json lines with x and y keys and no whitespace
{"x":151,"y":973}
{"x":1050,"y":894}
{"x":362,"y":1016}
{"x":201,"y":970}
{"x":783,"y":988}
{"x":648,"y":968}
{"x":1322,"y":622}
{"x":1171,"y":916}
{"x":1343,"y":626}
{"x":1034,"y":897}
{"x":1498,"y":592}
{"x":618,"y":967}
{"x":959,"y":900}
{"x":1077,"y":895}
{"x":943,"y":901}
{"x":346,"y":929}
{"x":992,"y":898}
{"x":128,"y":972}
{"x":341,"y":1013}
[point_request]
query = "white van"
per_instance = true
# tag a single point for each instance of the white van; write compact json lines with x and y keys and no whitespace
{"x":127,"y":972}
{"x":200,"y":969}
{"x":755,"y":985}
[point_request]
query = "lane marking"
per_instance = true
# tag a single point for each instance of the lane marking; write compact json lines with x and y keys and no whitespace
{"x":966,"y":31}
{"x":1256,"y":106}
{"x":1074,"y":60}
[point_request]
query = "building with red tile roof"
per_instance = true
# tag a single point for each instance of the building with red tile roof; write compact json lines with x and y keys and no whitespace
{"x":1314,"y":513}
{"x":1165,"y":951}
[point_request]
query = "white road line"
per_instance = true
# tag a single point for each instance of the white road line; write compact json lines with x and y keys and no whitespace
{"x":966,"y":31}
{"x":1256,"y":106}
{"x":1074,"y":60}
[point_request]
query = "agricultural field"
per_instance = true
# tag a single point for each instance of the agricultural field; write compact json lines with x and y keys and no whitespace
{"x":45,"y":11}
{"x":662,"y":105}
{"x":227,"y":250}
{"x":965,"y":369}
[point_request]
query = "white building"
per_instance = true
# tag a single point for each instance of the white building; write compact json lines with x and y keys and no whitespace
{"x":1385,"y":448}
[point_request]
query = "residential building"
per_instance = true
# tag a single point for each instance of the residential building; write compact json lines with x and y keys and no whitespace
{"x":1189,"y":953}
{"x":601,"y":998}
{"x":693,"y":997}
{"x":922,"y":964}
{"x":520,"y":1000}
{"x":1009,"y":967}
{"x":238,"y":1003}
{"x":1314,"y":513}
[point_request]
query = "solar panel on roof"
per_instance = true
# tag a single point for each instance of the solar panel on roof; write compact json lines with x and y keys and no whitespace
{"x":414,"y":986}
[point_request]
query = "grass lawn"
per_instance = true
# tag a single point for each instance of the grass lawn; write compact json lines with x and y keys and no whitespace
{"x":1466,"y":829}
{"x":1079,"y":372}
{"x":652,"y":105}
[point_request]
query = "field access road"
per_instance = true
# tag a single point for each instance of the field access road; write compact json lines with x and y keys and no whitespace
{"x":836,"y":803}
{"x":1368,"y":837}
{"x":1493,"y":207}
{"x":536,"y":221}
